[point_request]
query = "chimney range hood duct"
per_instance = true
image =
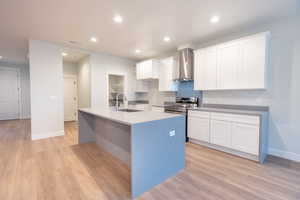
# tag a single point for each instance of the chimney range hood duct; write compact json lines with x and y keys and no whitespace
{"x":185,"y":65}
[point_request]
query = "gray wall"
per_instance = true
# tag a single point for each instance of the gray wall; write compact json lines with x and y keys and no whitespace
{"x":25,"y":86}
{"x":283,"y":94}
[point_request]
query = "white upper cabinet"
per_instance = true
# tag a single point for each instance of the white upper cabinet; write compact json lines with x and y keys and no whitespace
{"x":239,"y":64}
{"x":228,"y":59}
{"x":167,"y":74}
{"x":205,"y":69}
{"x":253,"y":51}
{"x":147,"y":69}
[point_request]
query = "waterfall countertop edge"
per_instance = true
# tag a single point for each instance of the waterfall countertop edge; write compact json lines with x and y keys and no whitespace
{"x":128,"y":118}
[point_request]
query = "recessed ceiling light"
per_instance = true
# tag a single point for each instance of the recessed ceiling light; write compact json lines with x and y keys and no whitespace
{"x":64,"y":54}
{"x":93,"y":39}
{"x":118,"y":19}
{"x":167,"y":39}
{"x":137,"y":51}
{"x":214,"y":19}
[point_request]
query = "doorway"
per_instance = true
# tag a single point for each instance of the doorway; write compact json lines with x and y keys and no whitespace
{"x":76,"y":73}
{"x":10,"y":105}
{"x":70,"y":98}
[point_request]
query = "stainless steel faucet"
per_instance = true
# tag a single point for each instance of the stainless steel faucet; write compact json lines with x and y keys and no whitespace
{"x":117,"y":100}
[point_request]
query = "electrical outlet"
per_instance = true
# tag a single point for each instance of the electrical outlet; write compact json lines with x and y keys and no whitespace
{"x":172,"y":133}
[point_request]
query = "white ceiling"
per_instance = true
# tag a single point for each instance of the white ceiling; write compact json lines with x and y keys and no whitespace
{"x":73,"y":55}
{"x":145,"y":23}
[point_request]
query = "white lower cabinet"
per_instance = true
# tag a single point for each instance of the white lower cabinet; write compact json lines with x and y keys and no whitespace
{"x":242,"y":135}
{"x":245,"y":137}
{"x":198,"y":128}
{"x":220,"y":133}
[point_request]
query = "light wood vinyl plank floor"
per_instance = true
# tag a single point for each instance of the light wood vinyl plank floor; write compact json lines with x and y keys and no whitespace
{"x":59,"y":168}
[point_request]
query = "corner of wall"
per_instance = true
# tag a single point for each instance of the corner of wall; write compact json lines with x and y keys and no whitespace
{"x":284,"y":154}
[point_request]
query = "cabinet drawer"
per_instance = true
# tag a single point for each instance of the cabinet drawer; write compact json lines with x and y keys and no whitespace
{"x":196,"y":113}
{"x":247,"y":119}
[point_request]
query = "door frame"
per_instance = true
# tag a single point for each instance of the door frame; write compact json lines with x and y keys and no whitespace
{"x":74,"y":77}
{"x":20,"y":114}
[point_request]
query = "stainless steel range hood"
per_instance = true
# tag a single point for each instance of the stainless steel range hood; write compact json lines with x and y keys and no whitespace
{"x":185,"y":62}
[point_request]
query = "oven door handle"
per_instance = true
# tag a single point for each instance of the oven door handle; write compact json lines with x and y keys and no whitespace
{"x":175,"y":112}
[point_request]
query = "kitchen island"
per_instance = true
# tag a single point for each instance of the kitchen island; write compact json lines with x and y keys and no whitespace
{"x":152,"y":144}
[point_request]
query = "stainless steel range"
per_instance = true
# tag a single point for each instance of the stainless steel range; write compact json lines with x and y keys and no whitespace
{"x":181,"y":107}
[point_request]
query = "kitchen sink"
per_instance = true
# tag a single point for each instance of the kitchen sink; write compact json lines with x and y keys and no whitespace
{"x":129,"y":110}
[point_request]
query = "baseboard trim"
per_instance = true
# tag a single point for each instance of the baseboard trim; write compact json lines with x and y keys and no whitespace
{"x":285,"y":154}
{"x":227,"y":150}
{"x":47,"y":135}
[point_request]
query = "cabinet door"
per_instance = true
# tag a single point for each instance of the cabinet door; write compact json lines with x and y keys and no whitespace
{"x":220,"y":133}
{"x":166,"y":72}
{"x":228,"y":59}
{"x":147,"y":69}
{"x":245,"y":138}
{"x":251,"y":73}
{"x":139,"y":71}
{"x":198,"y":128}
{"x":206,"y":69}
{"x":199,"y":78}
{"x":155,"y":69}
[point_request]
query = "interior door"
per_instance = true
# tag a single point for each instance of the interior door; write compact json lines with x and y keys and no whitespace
{"x":70,"y":99}
{"x":9,"y":94}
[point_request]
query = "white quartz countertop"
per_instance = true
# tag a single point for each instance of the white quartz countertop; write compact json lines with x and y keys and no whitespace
{"x":128,"y":118}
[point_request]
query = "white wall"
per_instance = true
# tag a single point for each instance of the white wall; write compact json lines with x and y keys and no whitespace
{"x":84,"y":83}
{"x":69,"y":68}
{"x":154,"y":96}
{"x":101,"y":65}
{"x":283,"y":94}
{"x":25,"y":86}
{"x":46,"y":80}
